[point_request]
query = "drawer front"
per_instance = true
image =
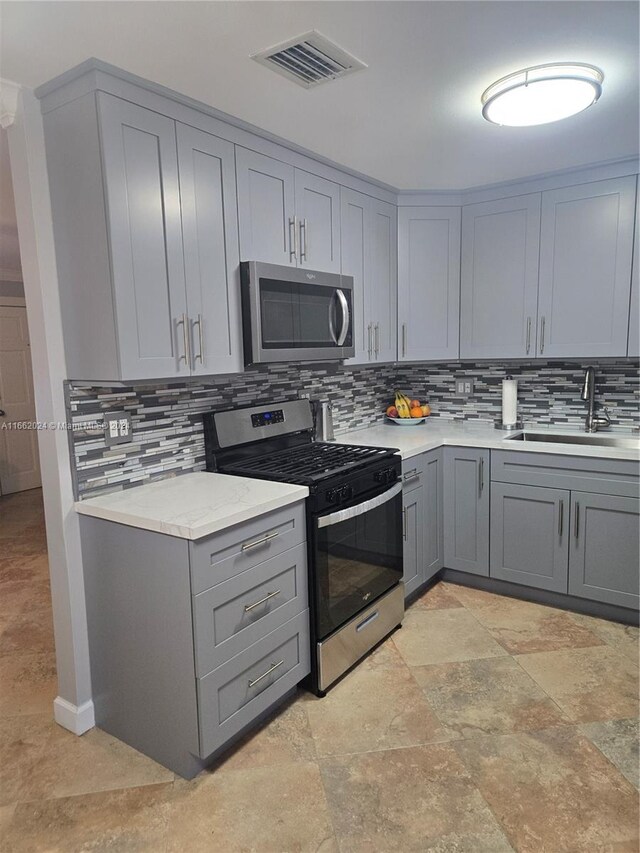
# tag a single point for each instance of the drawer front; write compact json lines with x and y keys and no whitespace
{"x":235,"y":614}
{"x":240,"y":690}
{"x":413,"y":472}
{"x":225,"y":555}
{"x":556,"y":471}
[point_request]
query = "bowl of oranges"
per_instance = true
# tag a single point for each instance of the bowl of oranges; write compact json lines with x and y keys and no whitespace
{"x":408,"y":412}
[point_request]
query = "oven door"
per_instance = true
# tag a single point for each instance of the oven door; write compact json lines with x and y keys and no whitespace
{"x":296,"y":315}
{"x":357,"y":557}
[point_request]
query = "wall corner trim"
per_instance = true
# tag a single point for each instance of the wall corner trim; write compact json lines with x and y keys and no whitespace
{"x":9,"y":92}
{"x":76,"y":718}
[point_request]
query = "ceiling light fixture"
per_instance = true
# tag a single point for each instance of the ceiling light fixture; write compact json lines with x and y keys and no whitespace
{"x":542,"y":94}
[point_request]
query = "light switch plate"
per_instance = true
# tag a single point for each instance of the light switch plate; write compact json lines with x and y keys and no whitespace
{"x":464,"y":386}
{"x":117,"y":428}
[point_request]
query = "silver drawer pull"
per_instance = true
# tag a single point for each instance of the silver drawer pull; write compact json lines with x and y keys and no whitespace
{"x":269,"y":595}
{"x":411,"y":475}
{"x":267,"y":538}
{"x":273,"y":667}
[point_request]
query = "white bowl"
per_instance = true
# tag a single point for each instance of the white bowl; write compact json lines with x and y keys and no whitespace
{"x":407,"y":421}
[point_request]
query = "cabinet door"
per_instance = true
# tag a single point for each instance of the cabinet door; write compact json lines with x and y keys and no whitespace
{"x":353,"y":225}
{"x":382,"y":278}
{"x":499,"y":278}
{"x":428,"y":283}
{"x":265,"y":208}
{"x":432,"y":520}
{"x":318,"y":222}
{"x":586,"y":240}
{"x":604,"y":557}
{"x":466,"y":510}
{"x":140,"y":164}
{"x":413,"y":540}
{"x":633,"y":348}
{"x":530,"y":535}
{"x":211,"y":254}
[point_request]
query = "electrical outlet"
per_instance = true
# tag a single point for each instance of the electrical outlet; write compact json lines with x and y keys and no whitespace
{"x":464,"y":387}
{"x":117,"y":428}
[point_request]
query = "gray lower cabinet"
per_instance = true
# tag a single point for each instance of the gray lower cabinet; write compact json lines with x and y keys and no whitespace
{"x":530,"y":535}
{"x":191,"y":642}
{"x":466,"y":509}
{"x":413,"y":539}
{"x":604,"y":556}
{"x":433,"y":513}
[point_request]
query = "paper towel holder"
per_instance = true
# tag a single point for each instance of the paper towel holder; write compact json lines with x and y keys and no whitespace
{"x":508,"y":427}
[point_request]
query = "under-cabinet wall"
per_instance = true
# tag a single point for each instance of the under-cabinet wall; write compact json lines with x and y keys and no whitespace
{"x":168,"y":438}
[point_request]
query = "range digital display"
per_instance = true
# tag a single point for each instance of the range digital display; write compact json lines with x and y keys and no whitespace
{"x":267,"y":418}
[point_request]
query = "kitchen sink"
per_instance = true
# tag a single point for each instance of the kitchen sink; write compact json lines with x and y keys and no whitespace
{"x":588,"y":439}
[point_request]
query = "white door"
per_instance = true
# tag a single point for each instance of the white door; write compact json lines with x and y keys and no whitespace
{"x":19,"y":462}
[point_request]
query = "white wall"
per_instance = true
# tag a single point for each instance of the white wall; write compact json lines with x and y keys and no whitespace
{"x":73,"y":707}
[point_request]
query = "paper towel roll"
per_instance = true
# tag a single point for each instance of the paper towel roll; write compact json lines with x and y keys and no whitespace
{"x":509,"y":401}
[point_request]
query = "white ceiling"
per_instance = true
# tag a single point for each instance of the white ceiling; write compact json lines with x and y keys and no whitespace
{"x":412,"y":119}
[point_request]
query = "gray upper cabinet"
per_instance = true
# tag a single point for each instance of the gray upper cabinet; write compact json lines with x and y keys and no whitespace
{"x":318,"y":222}
{"x":266,"y":208}
{"x":585,"y":269}
{"x":466,"y":509}
{"x":211,"y":254}
{"x":383,"y":280}
{"x":368,"y":234}
{"x":428,"y":283}
{"x":286,"y":215}
{"x":530,"y":535}
{"x":145,"y":235}
{"x":633,"y":347}
{"x":604,"y":554}
{"x":499,"y":278}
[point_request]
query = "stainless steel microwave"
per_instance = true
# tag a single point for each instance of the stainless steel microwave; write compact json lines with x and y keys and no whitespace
{"x":292,"y":314}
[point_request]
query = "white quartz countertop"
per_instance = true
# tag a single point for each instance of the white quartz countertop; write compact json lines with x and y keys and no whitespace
{"x":439,"y":432}
{"x":193,"y":505}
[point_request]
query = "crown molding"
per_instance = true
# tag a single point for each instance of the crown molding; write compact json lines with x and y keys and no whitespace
{"x":9,"y":92}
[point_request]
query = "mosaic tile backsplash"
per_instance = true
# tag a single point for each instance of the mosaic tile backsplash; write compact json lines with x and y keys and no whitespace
{"x":167,"y":425}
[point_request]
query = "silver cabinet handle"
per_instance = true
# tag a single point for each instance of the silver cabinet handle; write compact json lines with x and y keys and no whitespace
{"x":561,"y":519}
{"x":247,"y":545}
{"x":273,"y":667}
{"x":268,"y":597}
{"x":481,"y":473}
{"x":404,"y":524}
{"x":344,"y":308}
{"x":542,"y":325}
{"x":370,"y":345}
{"x":411,"y":475}
{"x":303,"y":239}
{"x":377,"y":338}
{"x":404,"y":339}
{"x":186,"y":357}
{"x":293,"y":239}
{"x":576,"y":529}
{"x":200,"y":356}
{"x":528,"y":335}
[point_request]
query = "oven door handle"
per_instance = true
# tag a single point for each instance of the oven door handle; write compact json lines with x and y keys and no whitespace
{"x":359,"y":509}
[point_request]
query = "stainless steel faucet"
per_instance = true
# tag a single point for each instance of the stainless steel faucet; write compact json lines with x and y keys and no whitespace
{"x":592,"y":421}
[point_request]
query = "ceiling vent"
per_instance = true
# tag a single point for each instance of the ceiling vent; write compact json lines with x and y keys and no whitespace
{"x":309,"y":59}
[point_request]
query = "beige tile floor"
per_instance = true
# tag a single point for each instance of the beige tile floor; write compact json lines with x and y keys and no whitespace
{"x":484,"y":724}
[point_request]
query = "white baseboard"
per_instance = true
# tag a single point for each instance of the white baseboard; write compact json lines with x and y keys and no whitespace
{"x":77,"y":718}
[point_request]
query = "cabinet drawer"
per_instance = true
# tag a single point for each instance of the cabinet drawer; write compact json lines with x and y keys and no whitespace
{"x":413,"y":472}
{"x":234,"y":614}
{"x":240,"y":690}
{"x":225,"y":555}
{"x":579,"y":473}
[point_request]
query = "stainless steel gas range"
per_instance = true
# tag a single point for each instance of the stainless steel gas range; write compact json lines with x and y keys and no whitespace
{"x":354,"y":524}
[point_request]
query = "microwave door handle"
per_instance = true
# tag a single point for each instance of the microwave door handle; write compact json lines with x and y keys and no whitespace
{"x":332,"y":325}
{"x":359,"y":509}
{"x":344,"y":307}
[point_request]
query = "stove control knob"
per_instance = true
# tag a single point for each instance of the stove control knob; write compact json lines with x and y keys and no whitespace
{"x":346,"y":493}
{"x":331,"y":496}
